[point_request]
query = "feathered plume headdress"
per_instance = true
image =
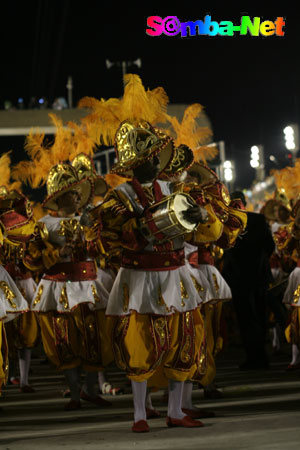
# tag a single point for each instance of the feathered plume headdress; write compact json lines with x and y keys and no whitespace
{"x":289,"y":180}
{"x":136,"y":104}
{"x":68,"y":143}
{"x":190,"y":133}
{"x":5,"y":174}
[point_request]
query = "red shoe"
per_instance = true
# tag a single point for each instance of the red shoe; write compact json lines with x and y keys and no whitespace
{"x":198,"y":413}
{"x":291,"y":367}
{"x":186,"y":422}
{"x":72,"y":405}
{"x":14,"y":381}
{"x":97,"y":400}
{"x":140,"y":427}
{"x":152,"y":413}
{"x":27,"y":389}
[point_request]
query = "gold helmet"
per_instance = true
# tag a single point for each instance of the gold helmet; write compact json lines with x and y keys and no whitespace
{"x":85,"y":168}
{"x":63,"y":178}
{"x":136,"y":143}
{"x":277,"y":208}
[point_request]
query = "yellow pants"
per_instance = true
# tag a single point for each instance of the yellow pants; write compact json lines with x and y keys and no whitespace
{"x":158,"y":347}
{"x":78,"y":338}
{"x":292,"y":332}
{"x":22,"y":332}
{"x":206,"y":370}
{"x":3,"y":356}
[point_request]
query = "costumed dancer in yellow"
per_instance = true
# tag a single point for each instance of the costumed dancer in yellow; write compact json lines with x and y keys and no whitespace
{"x":223,"y":227}
{"x":23,"y":332}
{"x":16,"y":225}
{"x":68,"y":291}
{"x":287,"y":240}
{"x":85,"y":168}
{"x":153,"y":305}
{"x":277,"y":211}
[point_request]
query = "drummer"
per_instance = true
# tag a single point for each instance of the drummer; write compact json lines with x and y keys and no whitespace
{"x":153,"y":306}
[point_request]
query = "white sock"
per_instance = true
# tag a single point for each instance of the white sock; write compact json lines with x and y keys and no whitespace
{"x":187,"y":395}
{"x":73,"y":381}
{"x":149,"y":401}
{"x":24,"y":365}
{"x":101,"y":379}
{"x":295,"y":354}
{"x":175,"y":399}
{"x":90,"y":383}
{"x":139,"y":390}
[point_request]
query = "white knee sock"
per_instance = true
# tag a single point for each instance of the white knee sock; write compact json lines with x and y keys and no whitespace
{"x":73,"y":381}
{"x":187,"y":395}
{"x":175,"y":399}
{"x":24,"y":365}
{"x":139,"y":390}
{"x":149,"y":401}
{"x":295,"y":354}
{"x":90,"y":383}
{"x":101,"y":379}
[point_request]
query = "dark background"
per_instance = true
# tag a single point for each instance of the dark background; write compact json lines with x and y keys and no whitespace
{"x":248,"y":85}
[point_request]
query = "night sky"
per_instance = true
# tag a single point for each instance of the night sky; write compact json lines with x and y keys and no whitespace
{"x":250,"y":86}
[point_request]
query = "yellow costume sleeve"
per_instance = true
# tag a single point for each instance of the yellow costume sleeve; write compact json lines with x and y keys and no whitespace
{"x":117,"y":222}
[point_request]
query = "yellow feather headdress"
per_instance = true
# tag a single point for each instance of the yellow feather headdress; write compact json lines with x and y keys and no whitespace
{"x":5,"y":173}
{"x":135,"y":105}
{"x":68,"y":143}
{"x":289,"y":180}
{"x":190,"y":133}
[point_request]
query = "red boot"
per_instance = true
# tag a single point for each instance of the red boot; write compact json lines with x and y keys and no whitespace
{"x":140,"y":427}
{"x":185,"y":422}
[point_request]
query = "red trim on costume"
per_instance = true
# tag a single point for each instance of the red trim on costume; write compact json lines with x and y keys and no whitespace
{"x":205,"y":256}
{"x":72,"y":271}
{"x":15,"y":272}
{"x":193,"y":258}
{"x":148,"y":214}
{"x":154,"y":261}
{"x":12,"y":219}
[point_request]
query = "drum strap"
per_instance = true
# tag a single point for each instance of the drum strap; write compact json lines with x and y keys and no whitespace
{"x":145,"y":204}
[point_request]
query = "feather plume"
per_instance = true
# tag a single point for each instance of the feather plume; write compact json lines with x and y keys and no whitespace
{"x":114,"y":180}
{"x":135,"y":105}
{"x":190,"y":133}
{"x":288,"y":179}
{"x":5,"y":173}
{"x":68,"y":142}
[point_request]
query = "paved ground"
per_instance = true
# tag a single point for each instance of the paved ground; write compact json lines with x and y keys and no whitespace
{"x":260,"y":410}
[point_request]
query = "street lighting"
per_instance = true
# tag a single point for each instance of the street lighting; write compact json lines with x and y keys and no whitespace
{"x":257,"y":161}
{"x":291,"y":137}
{"x":228,"y":170}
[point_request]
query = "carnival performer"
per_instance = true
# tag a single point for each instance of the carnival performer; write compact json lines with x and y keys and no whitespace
{"x":85,"y":168}
{"x":277,"y":211}
{"x":68,"y":291}
{"x":17,"y":225}
{"x":153,"y":306}
{"x":287,"y":240}
{"x":23,"y":332}
{"x":223,"y":226}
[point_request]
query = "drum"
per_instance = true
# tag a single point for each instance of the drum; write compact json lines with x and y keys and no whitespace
{"x":168,"y":219}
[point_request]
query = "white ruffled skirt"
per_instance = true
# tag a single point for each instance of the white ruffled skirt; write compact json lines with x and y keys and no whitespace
{"x":292,"y":292}
{"x":64,"y":296}
{"x":27,"y":288}
{"x":152,"y":292}
{"x":12,"y":302}
{"x":219,"y":289}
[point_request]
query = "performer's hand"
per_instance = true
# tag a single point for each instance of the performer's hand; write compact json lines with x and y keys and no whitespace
{"x":66,"y":250}
{"x":196,"y":214}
